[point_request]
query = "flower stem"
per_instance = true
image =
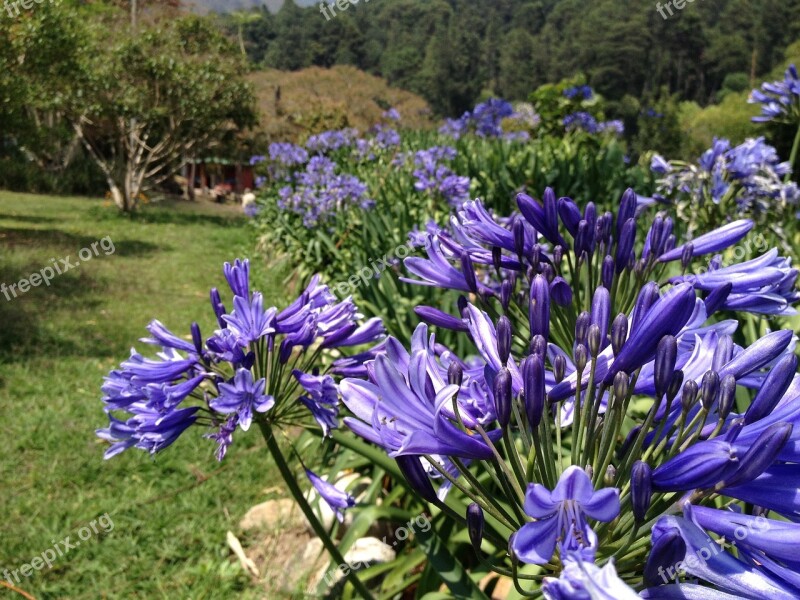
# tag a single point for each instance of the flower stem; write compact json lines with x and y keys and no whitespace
{"x":300,"y":499}
{"x":793,"y":155}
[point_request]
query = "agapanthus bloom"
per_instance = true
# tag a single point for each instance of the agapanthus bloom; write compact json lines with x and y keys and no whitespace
{"x":330,"y":141}
{"x":320,"y":192}
{"x":236,"y":375}
{"x":485,"y":120}
{"x":779,"y":100}
{"x":627,"y":426}
{"x":436,"y":178}
{"x":336,"y":499}
{"x":747,"y":179}
{"x":579,"y":92}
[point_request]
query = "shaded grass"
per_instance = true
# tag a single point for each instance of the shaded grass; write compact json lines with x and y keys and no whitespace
{"x":169,"y":514}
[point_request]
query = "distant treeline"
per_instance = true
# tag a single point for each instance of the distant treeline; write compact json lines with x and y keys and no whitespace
{"x":453,"y":51}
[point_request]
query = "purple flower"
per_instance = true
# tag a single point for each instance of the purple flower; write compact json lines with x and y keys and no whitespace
{"x":148,"y":428}
{"x":561,"y":518}
{"x":779,"y":100}
{"x":242,"y":396}
{"x":322,"y":399}
{"x":338,"y":500}
{"x":586,"y":581}
{"x":406,"y":406}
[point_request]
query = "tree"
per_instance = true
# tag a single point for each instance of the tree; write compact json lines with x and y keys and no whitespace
{"x":153,"y":99}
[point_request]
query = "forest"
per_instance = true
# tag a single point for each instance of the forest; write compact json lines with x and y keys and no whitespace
{"x":453,"y":52}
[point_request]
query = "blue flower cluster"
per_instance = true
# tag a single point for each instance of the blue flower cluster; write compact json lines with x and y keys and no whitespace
{"x":748,"y":178}
{"x":622,"y":425}
{"x":584,"y":121}
{"x":436,"y":178}
{"x":579,"y":92}
{"x":779,"y":100}
{"x":284,"y":159}
{"x":319,"y":192}
{"x":330,"y":141}
{"x":225,"y":381}
{"x":485,"y":120}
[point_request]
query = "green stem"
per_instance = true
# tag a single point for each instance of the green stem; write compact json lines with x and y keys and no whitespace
{"x":793,"y":155}
{"x":300,"y":499}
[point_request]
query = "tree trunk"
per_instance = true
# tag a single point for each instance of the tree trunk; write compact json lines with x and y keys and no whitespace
{"x":191,"y":177}
{"x":118,"y":196}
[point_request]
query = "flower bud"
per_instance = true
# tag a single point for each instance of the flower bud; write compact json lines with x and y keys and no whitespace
{"x":727,"y":396}
{"x":581,"y":245}
{"x":686,"y":255}
{"x":506,"y":289}
{"x":647,"y":296}
{"x":417,"y":478}
{"x":761,"y":454}
{"x":669,"y":549}
{"x":539,"y":310}
{"x":594,"y":340}
{"x":610,"y":475}
{"x":518,"y":230}
{"x":772,"y":389}
{"x":455,"y":374}
{"x":627,"y":210}
{"x":462,"y":304}
{"x":558,"y":255}
{"x":627,"y":238}
{"x":582,"y":327}
{"x":560,"y":291}
{"x":468,"y":270}
{"x":717,"y":298}
{"x":533,"y":386}
{"x":619,"y":333}
{"x":581,"y":357}
{"x":539,"y":346}
{"x":535,"y":257}
{"x":504,"y":339}
{"x":475,"y":524}
{"x":620,"y":386}
{"x":675,"y":383}
{"x":197,"y":339}
{"x":601,"y":311}
{"x":723,"y":352}
{"x":497,"y":258}
{"x":434,"y":316}
{"x":607,"y":272}
{"x":688,"y":395}
{"x":641,"y":489}
{"x":664,"y":365}
{"x":709,"y":389}
{"x":702,"y":465}
{"x":569,"y":213}
{"x":503,"y":397}
{"x":559,"y":367}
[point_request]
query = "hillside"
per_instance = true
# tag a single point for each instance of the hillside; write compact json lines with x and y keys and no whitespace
{"x":294,"y":104}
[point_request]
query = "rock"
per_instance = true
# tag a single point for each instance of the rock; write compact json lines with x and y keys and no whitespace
{"x":271,"y":514}
{"x":364,"y":553}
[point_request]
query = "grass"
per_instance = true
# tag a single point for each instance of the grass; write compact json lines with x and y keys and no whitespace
{"x":170,"y":514}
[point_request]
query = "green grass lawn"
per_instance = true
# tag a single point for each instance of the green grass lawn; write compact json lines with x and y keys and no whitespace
{"x":169,"y":514}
